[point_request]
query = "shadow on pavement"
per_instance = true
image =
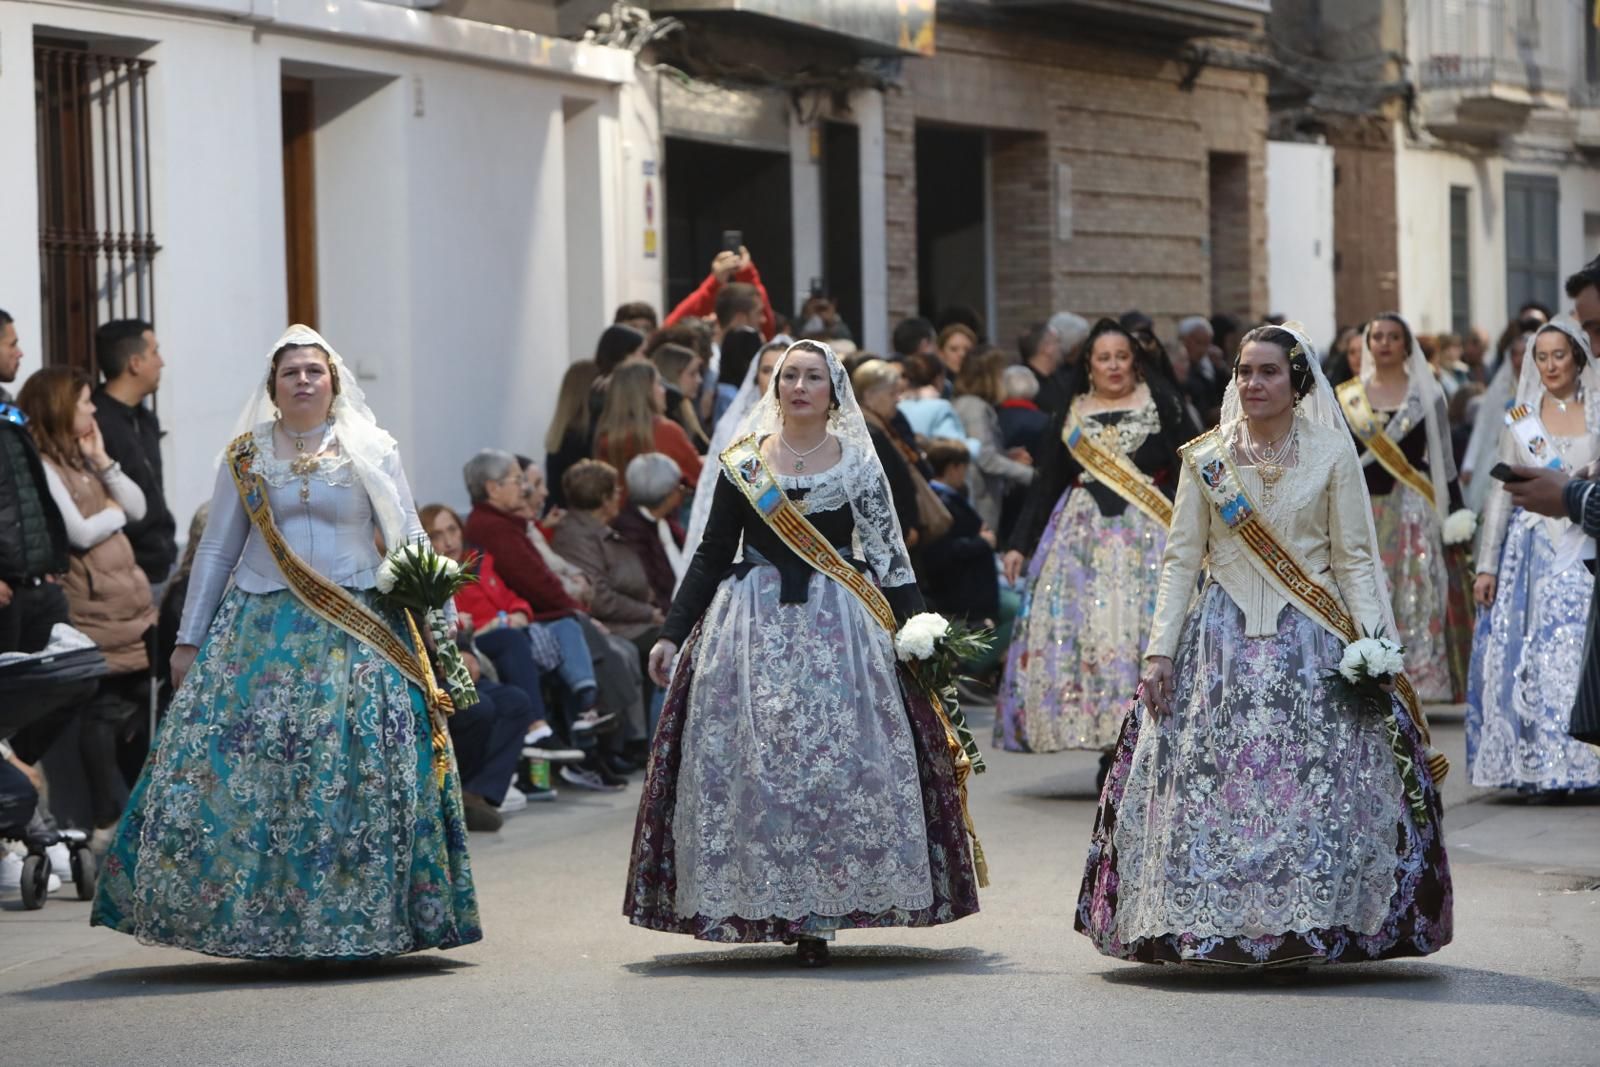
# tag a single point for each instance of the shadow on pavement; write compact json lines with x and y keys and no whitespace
{"x":864,"y":963}
{"x":209,"y":976}
{"x":1399,"y":980}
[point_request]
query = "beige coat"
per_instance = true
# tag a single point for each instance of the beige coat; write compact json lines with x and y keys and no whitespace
{"x":108,"y":596}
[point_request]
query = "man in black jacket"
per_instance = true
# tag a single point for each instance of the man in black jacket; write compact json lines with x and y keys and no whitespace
{"x":33,"y":540}
{"x":130,"y":360}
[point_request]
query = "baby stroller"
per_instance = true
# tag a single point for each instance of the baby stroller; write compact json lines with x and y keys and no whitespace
{"x":33,"y":688}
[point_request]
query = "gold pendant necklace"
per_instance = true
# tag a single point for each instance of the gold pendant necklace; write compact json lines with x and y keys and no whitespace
{"x":303,"y":465}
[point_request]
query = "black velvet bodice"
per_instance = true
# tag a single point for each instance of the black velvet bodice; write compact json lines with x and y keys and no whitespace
{"x":1058,"y":471}
{"x":1415,"y":447}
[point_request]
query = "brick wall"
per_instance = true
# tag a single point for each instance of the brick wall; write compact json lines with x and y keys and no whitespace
{"x":1137,"y":147}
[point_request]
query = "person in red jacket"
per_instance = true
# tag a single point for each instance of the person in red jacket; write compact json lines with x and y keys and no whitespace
{"x":500,"y":624}
{"x":726,"y":269}
{"x":495,"y":484}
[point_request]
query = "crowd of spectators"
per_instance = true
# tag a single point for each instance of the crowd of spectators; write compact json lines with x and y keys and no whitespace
{"x":577,"y":553}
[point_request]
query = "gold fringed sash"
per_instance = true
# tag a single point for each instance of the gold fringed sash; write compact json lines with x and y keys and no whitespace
{"x":747,"y":468}
{"x":1364,"y":421}
{"x":334,"y":605}
{"x":1115,"y":471}
{"x":1283,"y":569}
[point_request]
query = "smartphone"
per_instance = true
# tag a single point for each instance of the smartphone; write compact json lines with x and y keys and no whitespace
{"x":732,"y":241}
{"x":1505,"y":473}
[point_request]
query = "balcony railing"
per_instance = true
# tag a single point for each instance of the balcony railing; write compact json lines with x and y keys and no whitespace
{"x":1515,"y":45}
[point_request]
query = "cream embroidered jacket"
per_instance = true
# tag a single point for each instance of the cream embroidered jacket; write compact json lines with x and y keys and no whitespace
{"x":1316,"y":508}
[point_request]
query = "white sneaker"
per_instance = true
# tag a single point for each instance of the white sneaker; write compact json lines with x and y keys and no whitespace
{"x":11,"y":873}
{"x":515,"y":800}
{"x":60,"y":860}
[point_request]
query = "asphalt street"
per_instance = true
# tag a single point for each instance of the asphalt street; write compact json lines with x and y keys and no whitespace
{"x":562,"y":978}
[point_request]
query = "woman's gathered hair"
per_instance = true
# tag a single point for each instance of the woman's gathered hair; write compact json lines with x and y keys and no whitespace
{"x":627,"y":424}
{"x":572,"y":404}
{"x":1301,"y":377}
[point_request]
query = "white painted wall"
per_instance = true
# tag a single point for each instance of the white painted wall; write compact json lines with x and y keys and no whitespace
{"x":442,"y":234}
{"x":1424,"y":176}
{"x":1300,"y":234}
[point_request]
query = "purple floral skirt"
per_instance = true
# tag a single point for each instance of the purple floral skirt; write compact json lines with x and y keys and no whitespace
{"x":1262,"y":821}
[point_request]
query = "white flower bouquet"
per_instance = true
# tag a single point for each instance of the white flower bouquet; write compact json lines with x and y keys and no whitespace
{"x":1372,"y":661}
{"x":1460,"y":527}
{"x":416,"y":579}
{"x":932,"y":648}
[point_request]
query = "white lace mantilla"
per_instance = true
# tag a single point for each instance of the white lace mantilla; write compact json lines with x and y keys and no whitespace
{"x":855,"y":484}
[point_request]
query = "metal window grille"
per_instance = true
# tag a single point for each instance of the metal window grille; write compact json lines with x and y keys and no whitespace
{"x":96,"y":240}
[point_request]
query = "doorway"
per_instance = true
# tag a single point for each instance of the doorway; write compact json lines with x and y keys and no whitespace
{"x":952,"y":253}
{"x":841,"y":221}
{"x":711,"y":188}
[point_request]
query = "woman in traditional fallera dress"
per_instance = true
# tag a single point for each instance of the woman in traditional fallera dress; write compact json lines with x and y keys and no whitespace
{"x":1257,"y":814}
{"x":1396,"y":410}
{"x":1092,"y":548}
{"x":1534,"y":589}
{"x":796,"y":787}
{"x":300,"y":801}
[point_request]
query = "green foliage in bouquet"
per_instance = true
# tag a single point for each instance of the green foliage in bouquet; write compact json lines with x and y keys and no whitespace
{"x":932,"y":648}
{"x":417,"y":579}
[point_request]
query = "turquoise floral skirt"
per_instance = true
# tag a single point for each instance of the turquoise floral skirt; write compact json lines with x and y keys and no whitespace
{"x":290,"y":809}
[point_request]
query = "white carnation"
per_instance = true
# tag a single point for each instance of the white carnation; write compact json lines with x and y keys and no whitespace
{"x":920,"y":636}
{"x":1371,"y":657}
{"x":1460,"y":526}
{"x":386,"y":576}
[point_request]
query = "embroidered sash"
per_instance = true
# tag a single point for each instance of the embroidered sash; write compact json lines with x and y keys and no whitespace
{"x":1528,"y":430}
{"x":333,"y":604}
{"x":1115,"y":471}
{"x":1382,"y":441}
{"x":1284,"y":569}
{"x":748,"y":469}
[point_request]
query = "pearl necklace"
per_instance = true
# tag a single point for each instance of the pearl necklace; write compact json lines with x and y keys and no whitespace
{"x":799,"y":456}
{"x":1576,"y":397}
{"x":1268,"y":459}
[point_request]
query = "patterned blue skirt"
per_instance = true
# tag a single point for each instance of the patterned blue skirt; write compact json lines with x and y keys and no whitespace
{"x":290,"y":809}
{"x":1526,"y":663}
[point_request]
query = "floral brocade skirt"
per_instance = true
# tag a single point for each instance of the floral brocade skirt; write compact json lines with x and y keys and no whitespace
{"x":795,"y":786}
{"x":1262,"y":822}
{"x":1411,"y":543}
{"x":1526,"y":664}
{"x":1076,"y":645}
{"x":290,"y":808}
